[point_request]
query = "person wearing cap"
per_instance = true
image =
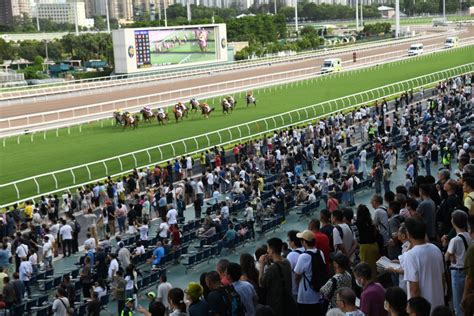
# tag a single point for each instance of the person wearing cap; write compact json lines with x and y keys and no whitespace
{"x":155,"y":308}
{"x":308,"y":299}
{"x":197,"y":306}
{"x":128,"y":309}
{"x":341,"y":278}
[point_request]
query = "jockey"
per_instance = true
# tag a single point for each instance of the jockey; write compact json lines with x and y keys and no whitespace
{"x":225,"y":102}
{"x":147,"y":109}
{"x":250,"y":94}
{"x":177,"y":107}
{"x":194,"y":101}
{"x":119,"y":111}
{"x":161,"y":111}
{"x":231,"y":100}
{"x":207,"y":107}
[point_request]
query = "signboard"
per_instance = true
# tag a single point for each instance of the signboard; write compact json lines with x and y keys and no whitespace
{"x":158,"y":48}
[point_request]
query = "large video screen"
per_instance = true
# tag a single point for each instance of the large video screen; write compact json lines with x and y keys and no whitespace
{"x":175,"y":46}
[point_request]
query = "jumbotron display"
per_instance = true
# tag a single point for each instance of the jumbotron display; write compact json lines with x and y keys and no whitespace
{"x":156,"y":48}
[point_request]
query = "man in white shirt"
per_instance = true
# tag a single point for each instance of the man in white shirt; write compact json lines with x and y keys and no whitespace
{"x":343,"y":239}
{"x":26,"y":271}
{"x":308,"y":299}
{"x":47,"y":253}
{"x":163,"y":289}
{"x":363,"y":162}
{"x":113,"y":266}
{"x":143,"y":229}
{"x":90,"y":242}
{"x":66,"y":236}
{"x":225,"y":210}
{"x":163,"y":231}
{"x":172,"y":215}
{"x":455,"y":256}
{"x":297,"y":249}
{"x":423,"y":265}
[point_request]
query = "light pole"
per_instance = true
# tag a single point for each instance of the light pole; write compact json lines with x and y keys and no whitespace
{"x":397,"y":18}
{"x":164,"y":7}
{"x":357,"y":15}
{"x":107,"y":18}
{"x":362,"y":14}
{"x":76,"y":18}
{"x":275,"y":4}
{"x":444,"y":10}
{"x":46,"y":49}
{"x":37,"y":16}
{"x":296,"y":18}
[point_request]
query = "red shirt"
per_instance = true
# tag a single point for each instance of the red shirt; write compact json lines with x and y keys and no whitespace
{"x":175,"y":239}
{"x":218,"y":161}
{"x":322,"y":243}
{"x":333,"y":204}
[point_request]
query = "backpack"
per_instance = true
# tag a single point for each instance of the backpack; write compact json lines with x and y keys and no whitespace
{"x":77,"y":227}
{"x":234,"y":306}
{"x":319,"y":274}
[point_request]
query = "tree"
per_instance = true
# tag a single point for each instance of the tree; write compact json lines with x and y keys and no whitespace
{"x":100,"y":23}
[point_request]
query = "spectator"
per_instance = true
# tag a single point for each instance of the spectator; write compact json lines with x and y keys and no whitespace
{"x":395,"y":301}
{"x":18,"y":286}
{"x":69,"y":289}
{"x":93,"y":306}
{"x":380,"y":218}
{"x":427,"y":210}
{"x":128,"y":308}
{"x":197,"y":306}
{"x":163,"y":289}
{"x":26,"y":272}
{"x":423,"y":265}
{"x":342,"y":235}
{"x":228,"y":240}
{"x":8,"y":293}
{"x":47,"y":253}
{"x":368,"y":247}
{"x":221,"y":268}
{"x":455,"y":256}
{"x":249,"y":271}
{"x":113,"y":266}
{"x":308,"y":298}
{"x":322,"y":240}
{"x":468,"y":188}
{"x":86,"y":278}
{"x":66,"y":236}
{"x":469,"y":264}
{"x":345,"y":299}
{"x":340,"y":279}
{"x":61,"y":304}
{"x":247,"y":293}
{"x":123,"y":256}
{"x":155,"y":308}
{"x":275,"y":279}
{"x":217,"y":298}
{"x":442,"y":311}
{"x":118,"y":288}
{"x":373,"y":294}
{"x":296,"y":250}
{"x":418,"y":306}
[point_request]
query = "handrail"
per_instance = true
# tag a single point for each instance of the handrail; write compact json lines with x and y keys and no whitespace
{"x":93,"y":112}
{"x":308,"y":113}
{"x":125,"y":79}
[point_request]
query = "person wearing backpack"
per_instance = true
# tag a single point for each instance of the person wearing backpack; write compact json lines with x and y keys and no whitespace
{"x":311,"y":275}
{"x":222,"y":300}
{"x":455,"y":256}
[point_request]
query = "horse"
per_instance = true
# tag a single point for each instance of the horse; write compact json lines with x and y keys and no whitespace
{"x":226,"y":107}
{"x":147,"y":115}
{"x":206,"y":109}
{"x":181,"y":107}
{"x":162,"y":118}
{"x":118,"y":118}
{"x":130,"y":120}
{"x":251,"y":100}
{"x":194,"y":104}
{"x":178,"y":114}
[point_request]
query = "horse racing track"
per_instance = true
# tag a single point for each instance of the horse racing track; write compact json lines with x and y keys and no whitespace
{"x":32,"y":155}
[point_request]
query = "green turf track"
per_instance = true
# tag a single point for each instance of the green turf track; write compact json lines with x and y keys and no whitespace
{"x":94,"y":142}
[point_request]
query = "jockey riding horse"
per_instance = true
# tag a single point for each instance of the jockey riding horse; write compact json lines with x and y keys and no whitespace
{"x":147,"y":114}
{"x":194,"y":104}
{"x":162,"y":117}
{"x":226,"y":106}
{"x":251,"y":99}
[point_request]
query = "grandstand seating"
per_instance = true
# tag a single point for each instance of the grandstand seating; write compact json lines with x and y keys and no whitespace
{"x":308,"y":209}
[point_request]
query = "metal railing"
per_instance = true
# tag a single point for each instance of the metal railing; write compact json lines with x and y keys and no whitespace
{"x":158,"y":154}
{"x":18,"y":125}
{"x":38,"y":91}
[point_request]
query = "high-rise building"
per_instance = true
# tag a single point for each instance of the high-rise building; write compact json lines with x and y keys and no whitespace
{"x":13,"y":8}
{"x":64,"y":12}
{"x":121,"y":9}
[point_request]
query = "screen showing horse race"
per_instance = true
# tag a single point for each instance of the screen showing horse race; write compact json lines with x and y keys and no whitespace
{"x":155,"y":48}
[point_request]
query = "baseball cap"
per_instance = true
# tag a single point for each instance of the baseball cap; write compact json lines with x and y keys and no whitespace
{"x":194,"y":290}
{"x":306,"y":235}
{"x":151,"y":294}
{"x":129,"y":300}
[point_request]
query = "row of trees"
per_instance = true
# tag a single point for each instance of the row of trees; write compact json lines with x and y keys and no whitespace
{"x":412,"y":7}
{"x":314,"y":12}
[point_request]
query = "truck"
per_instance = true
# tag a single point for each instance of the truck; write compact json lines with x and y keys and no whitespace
{"x":331,"y":65}
{"x":451,"y":42}
{"x":415,"y":49}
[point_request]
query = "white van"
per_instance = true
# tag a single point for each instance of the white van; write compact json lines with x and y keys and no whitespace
{"x":331,"y":65}
{"x":451,"y":42}
{"x":415,"y":49}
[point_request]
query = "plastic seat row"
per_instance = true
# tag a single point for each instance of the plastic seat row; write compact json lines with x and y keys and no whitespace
{"x":271,"y":225}
{"x":309,"y":208}
{"x":193,"y":259}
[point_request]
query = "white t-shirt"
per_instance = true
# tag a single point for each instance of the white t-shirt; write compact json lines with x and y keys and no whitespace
{"x":60,"y":308}
{"x":424,"y":264}
{"x":200,"y":188}
{"x":113,"y":268}
{"x":47,"y":249}
{"x":139,"y":250}
{"x":171,"y":216}
{"x":363,"y":156}
{"x":91,"y":243}
{"x":143,"y":232}
{"x":347,"y":238}
{"x":22,"y":250}
{"x":457,"y":248}
{"x":66,"y":232}
{"x":162,"y":293}
{"x":306,"y":295}
{"x":225,"y":211}
{"x":292,"y":257}
{"x":164,"y":228}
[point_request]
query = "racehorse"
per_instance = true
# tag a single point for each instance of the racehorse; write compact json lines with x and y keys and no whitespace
{"x":130,"y":120}
{"x":194,"y":104}
{"x":162,"y":118}
{"x":147,"y":115}
{"x":181,"y":107}
{"x":206,"y":109}
{"x":118,"y":118}
{"x":251,"y":99}
{"x":226,"y":106}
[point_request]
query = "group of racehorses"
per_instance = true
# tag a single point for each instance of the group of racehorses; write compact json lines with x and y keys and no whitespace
{"x":180,"y":110}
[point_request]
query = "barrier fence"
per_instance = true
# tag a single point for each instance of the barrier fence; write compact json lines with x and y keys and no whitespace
{"x":42,"y":121}
{"x":20,"y":94}
{"x":87,"y":173}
